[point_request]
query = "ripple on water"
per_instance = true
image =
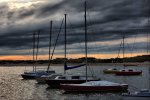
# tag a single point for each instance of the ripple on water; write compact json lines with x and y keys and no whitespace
{"x":12,"y":87}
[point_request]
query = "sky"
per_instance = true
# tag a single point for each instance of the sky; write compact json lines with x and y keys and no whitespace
{"x":107,"y":20}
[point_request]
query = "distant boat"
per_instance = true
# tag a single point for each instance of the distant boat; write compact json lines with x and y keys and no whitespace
{"x":143,"y":94}
{"x":115,"y":69}
{"x":95,"y":86}
{"x":127,"y":72}
{"x":35,"y":73}
{"x":130,"y":64}
{"x":110,"y":70}
{"x":124,"y":71}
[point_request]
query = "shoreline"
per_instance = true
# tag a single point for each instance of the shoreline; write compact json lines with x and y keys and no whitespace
{"x":135,"y":64}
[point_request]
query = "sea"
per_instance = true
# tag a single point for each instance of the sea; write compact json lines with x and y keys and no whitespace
{"x":13,"y":87}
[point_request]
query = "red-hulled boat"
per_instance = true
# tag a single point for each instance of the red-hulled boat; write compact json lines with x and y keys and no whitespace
{"x":95,"y":86}
{"x":125,"y":72}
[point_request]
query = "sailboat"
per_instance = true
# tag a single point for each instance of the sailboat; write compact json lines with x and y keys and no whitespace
{"x":125,"y":71}
{"x":69,"y":78}
{"x":93,"y":86}
{"x":35,"y":73}
{"x":42,"y":79}
{"x":112,"y":70}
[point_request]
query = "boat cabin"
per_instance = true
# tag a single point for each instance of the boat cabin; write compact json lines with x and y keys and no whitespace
{"x":72,"y":77}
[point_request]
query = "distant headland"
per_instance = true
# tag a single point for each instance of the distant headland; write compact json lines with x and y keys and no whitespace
{"x":136,"y":59}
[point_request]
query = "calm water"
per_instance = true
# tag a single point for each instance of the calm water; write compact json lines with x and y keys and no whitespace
{"x":13,"y":87}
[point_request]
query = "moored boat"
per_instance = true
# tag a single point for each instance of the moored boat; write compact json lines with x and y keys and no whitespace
{"x":68,"y":79}
{"x":95,"y":86}
{"x":143,"y":94}
{"x":36,"y":72}
{"x":71,"y":79}
{"x":110,"y":71}
{"x":125,"y":72}
{"x":33,"y":75}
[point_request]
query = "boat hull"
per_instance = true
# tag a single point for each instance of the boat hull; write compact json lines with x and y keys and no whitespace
{"x":41,"y":80}
{"x":57,"y":83}
{"x":109,"y":71}
{"x":135,"y":98}
{"x":128,"y":73}
{"x":78,"y":88}
{"x":24,"y":76}
{"x":34,"y":75}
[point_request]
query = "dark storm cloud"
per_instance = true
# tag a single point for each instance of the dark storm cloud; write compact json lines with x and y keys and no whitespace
{"x":107,"y":20}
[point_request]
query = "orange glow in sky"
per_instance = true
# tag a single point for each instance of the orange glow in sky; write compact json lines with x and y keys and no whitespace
{"x":44,"y":57}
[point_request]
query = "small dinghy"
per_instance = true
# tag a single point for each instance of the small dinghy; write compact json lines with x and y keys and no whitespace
{"x":95,"y":86}
{"x":110,"y":70}
{"x":143,"y":94}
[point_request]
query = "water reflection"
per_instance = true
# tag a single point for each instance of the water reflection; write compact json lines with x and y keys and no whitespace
{"x":13,"y":87}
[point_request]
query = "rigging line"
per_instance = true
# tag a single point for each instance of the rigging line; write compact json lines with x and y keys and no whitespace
{"x":133,"y":45}
{"x":147,"y":44}
{"x":123,"y":50}
{"x":119,"y":52}
{"x":119,"y":49}
{"x":55,"y":45}
{"x":148,"y":22}
{"x":34,"y":51}
{"x":50,"y":38}
{"x":70,"y":23}
{"x":37,"y":49}
{"x":74,"y":30}
{"x":91,"y":70}
{"x":131,"y":49}
{"x":134,"y":87}
{"x":90,"y":22}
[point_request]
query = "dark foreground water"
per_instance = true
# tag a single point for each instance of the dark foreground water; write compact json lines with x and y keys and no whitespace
{"x":13,"y":87}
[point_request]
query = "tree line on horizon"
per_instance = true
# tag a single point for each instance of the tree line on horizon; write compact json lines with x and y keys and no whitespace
{"x":143,"y":58}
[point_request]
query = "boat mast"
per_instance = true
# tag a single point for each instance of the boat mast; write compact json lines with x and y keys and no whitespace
{"x":148,"y":40}
{"x":85,"y":40}
{"x":33,"y":51}
{"x":50,"y":39}
{"x":65,"y":45}
{"x":37,"y":49}
{"x":123,"y":52}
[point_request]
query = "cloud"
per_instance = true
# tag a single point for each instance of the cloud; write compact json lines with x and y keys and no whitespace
{"x":107,"y":21}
